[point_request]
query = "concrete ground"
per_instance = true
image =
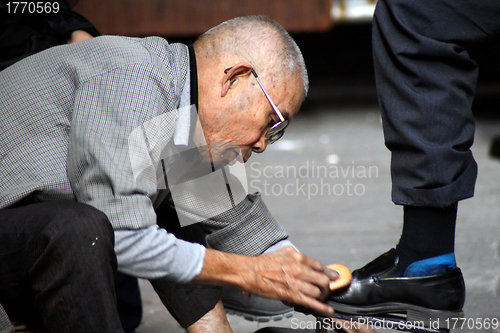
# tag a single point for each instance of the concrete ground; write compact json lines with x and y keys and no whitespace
{"x":337,"y":207}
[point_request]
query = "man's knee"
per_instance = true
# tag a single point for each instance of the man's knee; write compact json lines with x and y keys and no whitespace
{"x":76,"y":220}
{"x":75,"y":229}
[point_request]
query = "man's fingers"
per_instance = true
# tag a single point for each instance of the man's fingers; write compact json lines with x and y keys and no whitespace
{"x":319,"y":306}
{"x":316,"y":276}
{"x":296,"y":278}
{"x":332,"y":275}
{"x":317,"y":266}
{"x":301,"y":292}
{"x":309,"y":289}
{"x":310,"y":303}
{"x":314,"y":264}
{"x":320,"y":281}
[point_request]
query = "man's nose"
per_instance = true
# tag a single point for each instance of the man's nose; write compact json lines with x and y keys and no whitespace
{"x":260,"y":145}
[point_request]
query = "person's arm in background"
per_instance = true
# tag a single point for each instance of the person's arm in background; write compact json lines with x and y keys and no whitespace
{"x":79,"y":36}
{"x":24,"y":34}
{"x":69,"y":26}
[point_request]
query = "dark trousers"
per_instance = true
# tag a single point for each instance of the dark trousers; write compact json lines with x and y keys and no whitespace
{"x":128,"y":301}
{"x":426,"y":83}
{"x":57,"y":264}
{"x":188,"y":302}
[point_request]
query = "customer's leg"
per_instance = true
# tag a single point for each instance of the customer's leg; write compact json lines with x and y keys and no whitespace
{"x":57,"y":260}
{"x":426,"y":83}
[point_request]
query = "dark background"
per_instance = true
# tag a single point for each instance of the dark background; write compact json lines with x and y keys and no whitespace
{"x":340,"y":67}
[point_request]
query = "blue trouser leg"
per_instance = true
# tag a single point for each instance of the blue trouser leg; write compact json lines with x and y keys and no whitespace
{"x":426,"y":84}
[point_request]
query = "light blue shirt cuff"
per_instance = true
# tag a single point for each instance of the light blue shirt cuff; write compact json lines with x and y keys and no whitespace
{"x":280,"y":245}
{"x":153,"y":253}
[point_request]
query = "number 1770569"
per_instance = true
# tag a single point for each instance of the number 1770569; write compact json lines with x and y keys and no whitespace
{"x":31,"y":7}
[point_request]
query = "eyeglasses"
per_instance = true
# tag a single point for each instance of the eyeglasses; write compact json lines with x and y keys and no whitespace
{"x":278,"y":129}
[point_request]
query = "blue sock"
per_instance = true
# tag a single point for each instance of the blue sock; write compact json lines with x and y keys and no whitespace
{"x":431,"y":266}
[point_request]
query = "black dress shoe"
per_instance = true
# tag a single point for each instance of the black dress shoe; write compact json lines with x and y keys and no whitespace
{"x":380,"y":288}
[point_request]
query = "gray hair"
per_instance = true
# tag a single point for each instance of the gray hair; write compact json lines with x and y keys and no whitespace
{"x":262,"y":42}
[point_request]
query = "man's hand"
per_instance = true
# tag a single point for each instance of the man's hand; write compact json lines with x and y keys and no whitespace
{"x":293,"y":278}
{"x":286,"y":275}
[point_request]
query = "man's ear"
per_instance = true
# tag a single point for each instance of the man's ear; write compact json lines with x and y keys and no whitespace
{"x":233,"y":74}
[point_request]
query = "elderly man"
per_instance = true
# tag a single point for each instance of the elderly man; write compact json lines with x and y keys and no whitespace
{"x":73,"y":180}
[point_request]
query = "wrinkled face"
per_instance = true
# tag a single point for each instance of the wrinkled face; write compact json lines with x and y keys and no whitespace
{"x":240,"y":126}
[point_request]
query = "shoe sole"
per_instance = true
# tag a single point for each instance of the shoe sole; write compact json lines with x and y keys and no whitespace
{"x":260,"y":318}
{"x":413,"y":313}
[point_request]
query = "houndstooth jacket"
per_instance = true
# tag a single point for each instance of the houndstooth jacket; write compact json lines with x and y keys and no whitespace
{"x":65,"y":115}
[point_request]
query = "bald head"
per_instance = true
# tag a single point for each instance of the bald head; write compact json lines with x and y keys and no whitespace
{"x":259,"y":40}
